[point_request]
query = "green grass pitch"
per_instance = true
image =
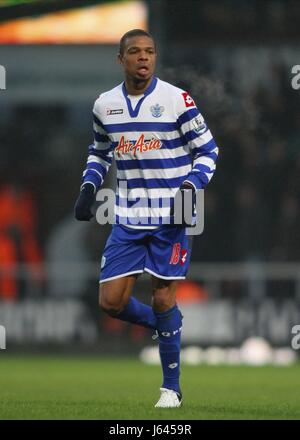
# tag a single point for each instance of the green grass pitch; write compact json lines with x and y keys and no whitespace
{"x":96,"y":388}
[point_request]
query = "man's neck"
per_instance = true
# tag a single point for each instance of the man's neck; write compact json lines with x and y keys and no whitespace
{"x":137,"y":87}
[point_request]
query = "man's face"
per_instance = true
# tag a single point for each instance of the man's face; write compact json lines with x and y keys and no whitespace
{"x":139,"y":58}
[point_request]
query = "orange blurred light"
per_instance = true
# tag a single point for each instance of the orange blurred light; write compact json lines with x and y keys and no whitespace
{"x":96,"y":24}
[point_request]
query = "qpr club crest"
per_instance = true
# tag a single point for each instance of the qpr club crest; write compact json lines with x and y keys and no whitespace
{"x":157,"y":110}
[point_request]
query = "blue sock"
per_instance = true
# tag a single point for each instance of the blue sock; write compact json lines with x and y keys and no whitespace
{"x":138,"y":313}
{"x":169,"y":325}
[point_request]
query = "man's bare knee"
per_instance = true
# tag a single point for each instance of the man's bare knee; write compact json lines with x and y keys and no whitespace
{"x":163,"y":294}
{"x":111,"y":310}
{"x":109,"y":302}
{"x":114,"y":295}
{"x":162,"y":303}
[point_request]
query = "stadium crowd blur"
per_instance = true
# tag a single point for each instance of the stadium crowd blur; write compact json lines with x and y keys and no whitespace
{"x":252,"y":208}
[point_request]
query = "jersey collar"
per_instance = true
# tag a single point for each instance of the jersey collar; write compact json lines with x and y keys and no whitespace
{"x":134,"y":113}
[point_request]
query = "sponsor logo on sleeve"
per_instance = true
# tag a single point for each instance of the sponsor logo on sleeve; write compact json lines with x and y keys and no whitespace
{"x":188,"y":100}
{"x":199,"y":124}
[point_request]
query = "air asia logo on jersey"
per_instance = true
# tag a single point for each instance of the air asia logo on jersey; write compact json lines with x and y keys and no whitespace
{"x":188,"y":100}
{"x":140,"y":145}
{"x":157,"y":110}
{"x":117,"y":111}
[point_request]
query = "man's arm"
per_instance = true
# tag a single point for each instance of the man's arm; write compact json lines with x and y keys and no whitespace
{"x":202,"y":146}
{"x":204,"y":152}
{"x":98,"y":162}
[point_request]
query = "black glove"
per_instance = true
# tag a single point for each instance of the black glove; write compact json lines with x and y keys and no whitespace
{"x":185,"y":190}
{"x":85,"y":202}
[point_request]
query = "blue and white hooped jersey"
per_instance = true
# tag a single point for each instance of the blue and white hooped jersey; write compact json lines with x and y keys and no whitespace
{"x":158,"y":140}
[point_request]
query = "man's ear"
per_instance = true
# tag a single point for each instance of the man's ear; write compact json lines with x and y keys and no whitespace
{"x":120,"y":58}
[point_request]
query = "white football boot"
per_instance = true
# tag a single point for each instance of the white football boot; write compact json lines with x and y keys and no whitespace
{"x":169,"y":399}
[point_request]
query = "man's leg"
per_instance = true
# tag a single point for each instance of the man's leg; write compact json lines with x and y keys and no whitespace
{"x":169,"y":323}
{"x":116,"y":300}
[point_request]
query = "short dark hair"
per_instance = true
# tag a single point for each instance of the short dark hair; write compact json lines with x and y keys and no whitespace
{"x":133,"y":33}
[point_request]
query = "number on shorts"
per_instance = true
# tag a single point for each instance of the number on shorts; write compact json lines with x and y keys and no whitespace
{"x":175,"y":254}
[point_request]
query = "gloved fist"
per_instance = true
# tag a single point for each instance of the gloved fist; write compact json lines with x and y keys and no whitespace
{"x":188,"y":204}
{"x":85,"y":202}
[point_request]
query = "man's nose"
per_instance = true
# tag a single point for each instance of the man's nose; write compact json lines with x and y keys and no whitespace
{"x":143,"y":55}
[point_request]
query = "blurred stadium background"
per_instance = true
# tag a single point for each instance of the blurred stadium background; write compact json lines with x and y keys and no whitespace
{"x":235,"y":58}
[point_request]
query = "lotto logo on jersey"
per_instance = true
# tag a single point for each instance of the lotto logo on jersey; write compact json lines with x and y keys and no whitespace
{"x":140,"y":145}
{"x":188,"y":100}
{"x":117,"y":111}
